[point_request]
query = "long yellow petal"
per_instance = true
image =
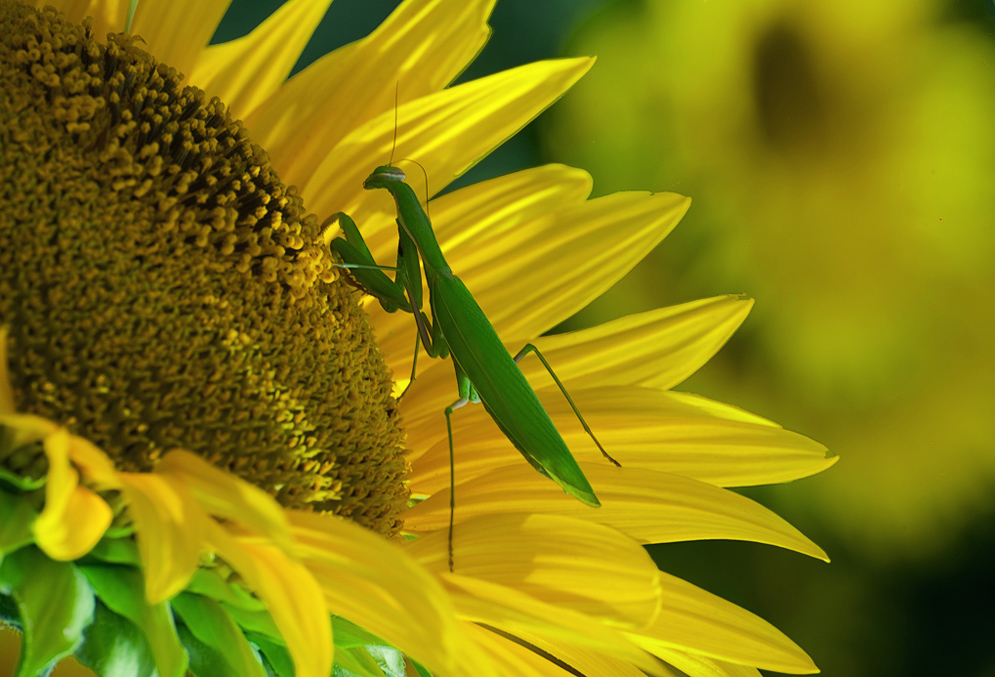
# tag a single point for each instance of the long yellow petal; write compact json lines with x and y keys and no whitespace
{"x":74,"y":518}
{"x":247,"y":71}
{"x":659,"y":348}
{"x":646,"y":505}
{"x":561,"y":561}
{"x":642,"y":427}
{"x":697,"y":621}
{"x":515,"y":612}
{"x":177,"y":32}
{"x":420,"y":48}
{"x":170,"y":528}
{"x":696,"y":665}
{"x":291,"y":594}
{"x":555,"y":658}
{"x":593,"y":663}
{"x":224,"y":495}
{"x":447,"y":132}
{"x":374,"y":584}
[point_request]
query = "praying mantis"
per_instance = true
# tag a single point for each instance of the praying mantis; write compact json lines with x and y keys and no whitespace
{"x":485,"y":371}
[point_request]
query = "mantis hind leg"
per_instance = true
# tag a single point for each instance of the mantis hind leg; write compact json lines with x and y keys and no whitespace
{"x":462,"y":401}
{"x":529,"y":348}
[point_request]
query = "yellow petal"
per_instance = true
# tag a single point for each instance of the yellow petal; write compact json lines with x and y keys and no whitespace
{"x":420,"y":48}
{"x":697,"y":621}
{"x":224,"y":495}
{"x":74,"y":518}
{"x":177,"y":32}
{"x":96,"y":466}
{"x":550,"y":268}
{"x":291,"y":594}
{"x":170,"y":529}
{"x":517,"y":613}
{"x":646,"y":505}
{"x":246,"y":71}
{"x":562,"y":561}
{"x":447,"y":132}
{"x":591,"y":663}
{"x":374,"y":584}
{"x":27,"y":427}
{"x":641,"y":427}
{"x":696,"y":665}
{"x":659,"y":348}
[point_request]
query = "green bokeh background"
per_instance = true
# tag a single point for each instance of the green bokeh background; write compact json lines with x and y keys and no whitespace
{"x":840,"y":155}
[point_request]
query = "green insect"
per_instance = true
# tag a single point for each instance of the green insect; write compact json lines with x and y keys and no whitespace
{"x":485,"y":371}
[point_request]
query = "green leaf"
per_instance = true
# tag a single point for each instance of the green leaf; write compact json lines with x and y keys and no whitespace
{"x":122,"y":589}
{"x":348,"y":634}
{"x":21,"y":482}
{"x":276,"y":658}
{"x":390,"y":660}
{"x":420,"y":669}
{"x":259,"y":622}
{"x":210,"y":583}
{"x":225,"y":649}
{"x":8,"y":611}
{"x":115,"y":647}
{"x":55,"y":606}
{"x":16,"y":516}
{"x":116,"y":551}
{"x":356,"y":663}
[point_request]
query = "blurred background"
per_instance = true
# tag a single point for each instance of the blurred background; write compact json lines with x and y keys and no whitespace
{"x":840,"y":155}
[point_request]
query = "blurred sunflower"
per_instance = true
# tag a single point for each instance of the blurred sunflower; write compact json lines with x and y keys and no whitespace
{"x":845,"y":150}
{"x":201,"y":464}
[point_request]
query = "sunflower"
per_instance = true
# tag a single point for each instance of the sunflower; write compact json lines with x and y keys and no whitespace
{"x":203,"y":464}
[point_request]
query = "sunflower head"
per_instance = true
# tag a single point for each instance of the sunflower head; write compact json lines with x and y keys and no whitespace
{"x":164,"y":289}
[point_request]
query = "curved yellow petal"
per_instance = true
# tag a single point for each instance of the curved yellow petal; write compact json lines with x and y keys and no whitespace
{"x":592,"y":663}
{"x":74,"y":518}
{"x":517,"y":613}
{"x":177,"y":32}
{"x":170,"y":529}
{"x":696,"y":665}
{"x":562,"y":561}
{"x":642,"y":427}
{"x":697,"y":621}
{"x":245,"y":72}
{"x":97,"y":468}
{"x":646,"y":505}
{"x":659,"y":348}
{"x":447,"y":132}
{"x":374,"y":584}
{"x":224,"y":495}
{"x":547,"y":658}
{"x":421,"y":47}
{"x":291,"y":594}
